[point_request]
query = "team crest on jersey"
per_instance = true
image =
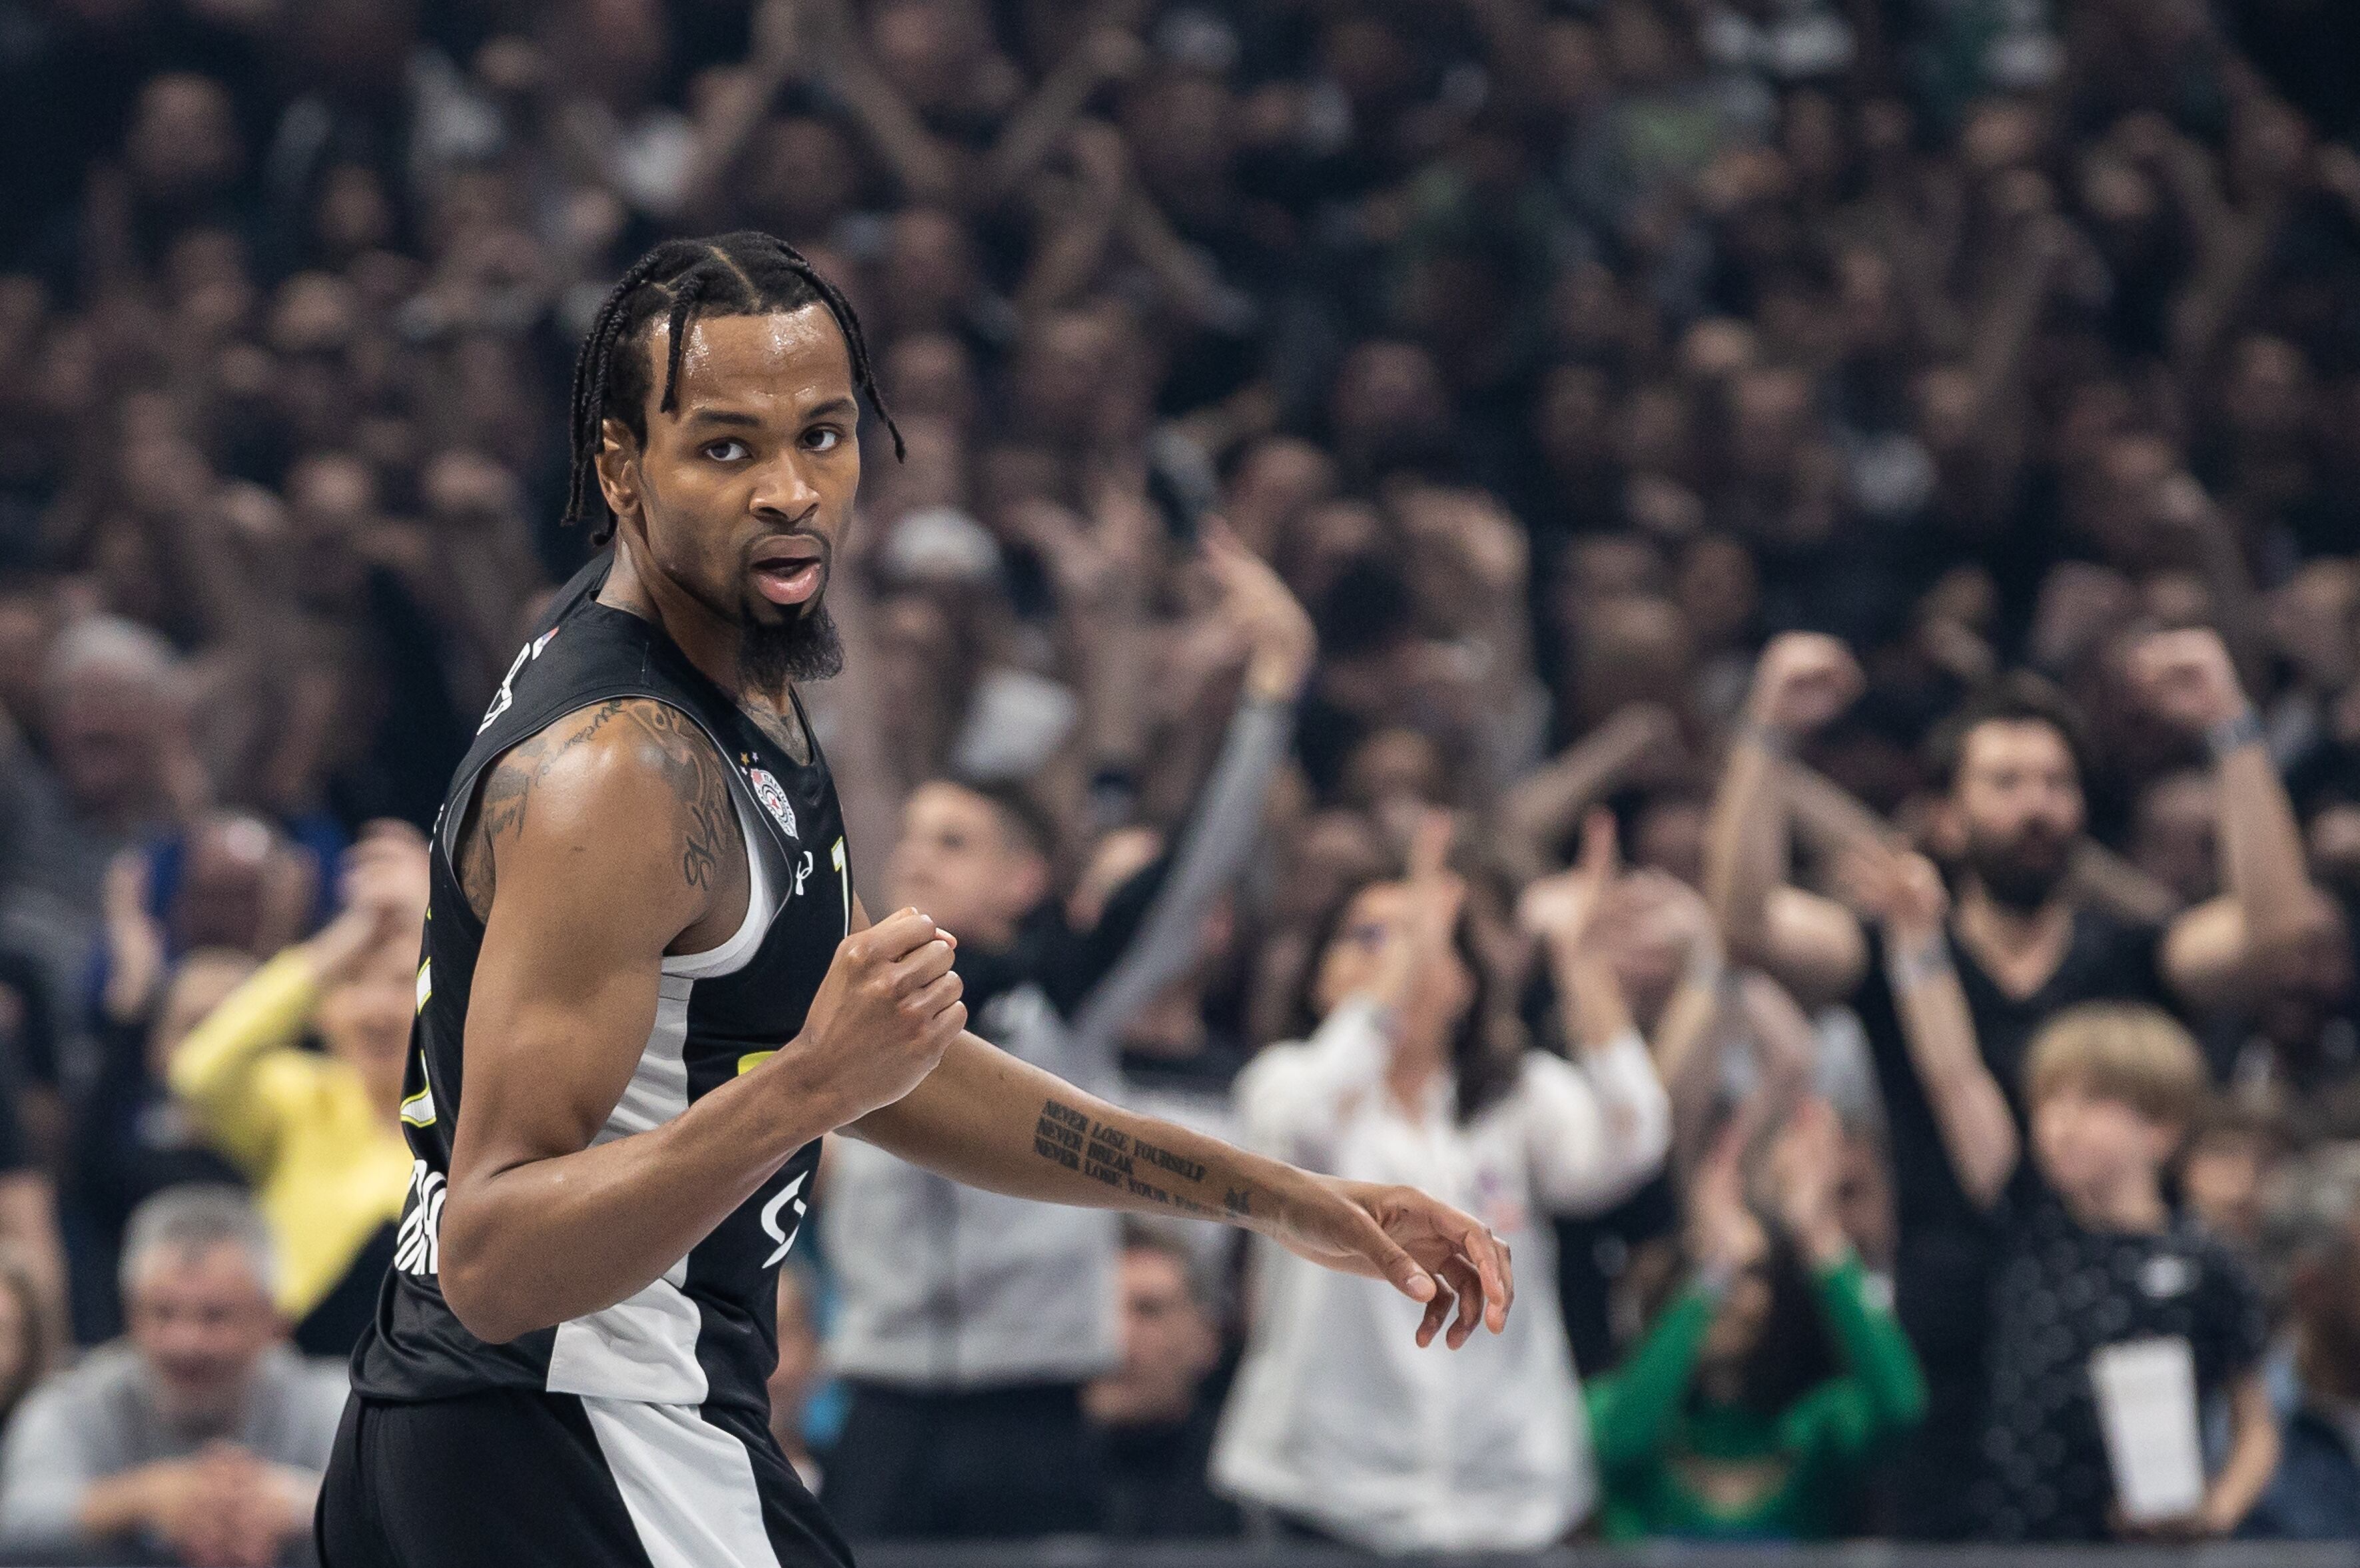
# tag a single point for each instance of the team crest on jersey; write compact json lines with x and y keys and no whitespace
{"x":774,"y":799}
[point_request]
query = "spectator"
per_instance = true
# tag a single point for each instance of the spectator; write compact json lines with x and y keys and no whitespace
{"x":970,"y":1424}
{"x":1150,"y":1417}
{"x":1332,"y":1425}
{"x":131,"y":1138}
{"x":2011,"y":762}
{"x":1557,"y":354}
{"x":2089,"y":1252}
{"x":2313,"y":1246}
{"x":319,"y":1134}
{"x":204,"y":1436}
{"x":2232,"y":1152}
{"x":116,"y":761}
{"x":1769,"y":1385}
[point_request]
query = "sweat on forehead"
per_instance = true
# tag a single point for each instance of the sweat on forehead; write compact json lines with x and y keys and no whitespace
{"x":791,"y":355}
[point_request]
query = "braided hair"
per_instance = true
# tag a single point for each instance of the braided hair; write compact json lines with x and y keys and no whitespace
{"x":742,"y":274}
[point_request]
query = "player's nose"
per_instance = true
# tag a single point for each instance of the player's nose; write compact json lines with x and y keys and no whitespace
{"x":783,"y":493}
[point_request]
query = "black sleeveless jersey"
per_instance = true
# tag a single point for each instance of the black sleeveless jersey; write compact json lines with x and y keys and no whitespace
{"x":707,"y":1332}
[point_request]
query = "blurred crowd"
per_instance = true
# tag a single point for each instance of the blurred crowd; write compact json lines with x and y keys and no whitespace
{"x":1727,"y":631}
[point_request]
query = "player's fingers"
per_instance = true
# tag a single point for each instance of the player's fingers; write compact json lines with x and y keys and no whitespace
{"x":896,"y":936}
{"x":1488,"y":1254}
{"x":1392,"y":1261}
{"x":1438,"y":1312}
{"x":944,"y":1026}
{"x":941,"y":992}
{"x":1468,"y":1287}
{"x":922,"y":967}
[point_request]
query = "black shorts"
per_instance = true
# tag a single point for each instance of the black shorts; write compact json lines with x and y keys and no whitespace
{"x":517,"y":1478}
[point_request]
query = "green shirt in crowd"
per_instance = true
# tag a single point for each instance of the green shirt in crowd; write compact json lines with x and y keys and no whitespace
{"x":1655,"y":1439}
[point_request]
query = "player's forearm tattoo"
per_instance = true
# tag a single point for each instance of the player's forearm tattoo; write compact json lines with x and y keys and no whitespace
{"x":1065,"y":1136}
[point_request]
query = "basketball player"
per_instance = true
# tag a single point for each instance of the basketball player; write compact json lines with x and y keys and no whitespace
{"x":648,"y":989}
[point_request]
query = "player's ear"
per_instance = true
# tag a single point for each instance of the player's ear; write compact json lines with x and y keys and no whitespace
{"x":619,"y":477}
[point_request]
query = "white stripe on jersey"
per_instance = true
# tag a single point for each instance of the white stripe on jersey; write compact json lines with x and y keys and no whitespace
{"x":644,"y":1348}
{"x":688,"y":1485}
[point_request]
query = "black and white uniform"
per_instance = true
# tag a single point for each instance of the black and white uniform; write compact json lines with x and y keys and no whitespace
{"x":638,"y":1434}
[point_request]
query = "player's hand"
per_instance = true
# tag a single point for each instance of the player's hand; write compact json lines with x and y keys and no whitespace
{"x":883,"y":1016}
{"x":1803,"y":680}
{"x":2187,"y":677}
{"x":1428,"y":1251}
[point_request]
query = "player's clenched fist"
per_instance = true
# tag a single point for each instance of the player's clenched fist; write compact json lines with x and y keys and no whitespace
{"x":884,"y":1014}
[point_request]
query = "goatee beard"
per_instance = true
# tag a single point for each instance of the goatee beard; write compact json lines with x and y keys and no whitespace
{"x":805,"y":647}
{"x":2018,"y":882}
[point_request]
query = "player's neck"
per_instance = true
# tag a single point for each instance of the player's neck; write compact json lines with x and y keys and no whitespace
{"x":710,"y":640}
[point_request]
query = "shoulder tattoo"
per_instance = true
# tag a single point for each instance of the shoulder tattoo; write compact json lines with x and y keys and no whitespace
{"x":707,"y":820}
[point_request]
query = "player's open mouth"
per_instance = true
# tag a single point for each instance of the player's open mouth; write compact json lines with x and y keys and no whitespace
{"x":792,"y":575}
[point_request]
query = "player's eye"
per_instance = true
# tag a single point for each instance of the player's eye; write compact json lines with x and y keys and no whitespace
{"x":823,"y":438}
{"x":729,"y":450}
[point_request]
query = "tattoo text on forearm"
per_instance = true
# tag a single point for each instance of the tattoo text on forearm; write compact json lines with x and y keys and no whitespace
{"x":1067,"y":1137}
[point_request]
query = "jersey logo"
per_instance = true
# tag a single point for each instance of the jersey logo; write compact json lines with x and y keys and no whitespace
{"x":505,"y":698}
{"x":774,"y":799}
{"x":418,"y":1247}
{"x":771,"y":1221}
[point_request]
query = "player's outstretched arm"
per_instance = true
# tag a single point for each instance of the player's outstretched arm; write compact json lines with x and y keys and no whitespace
{"x":606,"y":841}
{"x":988,"y":1119}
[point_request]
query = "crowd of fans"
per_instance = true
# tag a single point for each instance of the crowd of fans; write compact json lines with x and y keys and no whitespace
{"x":1727,"y":631}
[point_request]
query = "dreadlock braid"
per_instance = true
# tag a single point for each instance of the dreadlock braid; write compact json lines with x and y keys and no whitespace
{"x":741,"y":274}
{"x":683,"y":300}
{"x":855,"y":339}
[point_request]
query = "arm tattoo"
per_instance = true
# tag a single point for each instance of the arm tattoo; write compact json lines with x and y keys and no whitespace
{"x":1065,"y":1136}
{"x":709,"y":831}
{"x":707,"y":824}
{"x":497,"y":814}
